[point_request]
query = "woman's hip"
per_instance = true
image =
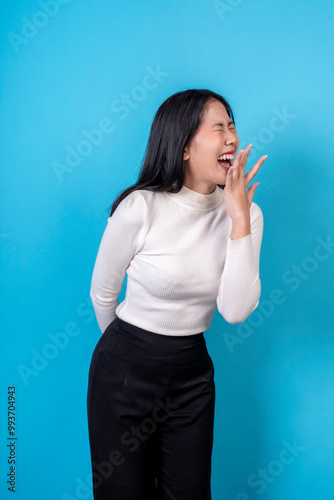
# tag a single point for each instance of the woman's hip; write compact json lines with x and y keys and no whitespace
{"x":125,"y":349}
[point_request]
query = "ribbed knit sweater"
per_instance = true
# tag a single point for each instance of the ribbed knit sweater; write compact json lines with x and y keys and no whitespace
{"x":180,"y":261}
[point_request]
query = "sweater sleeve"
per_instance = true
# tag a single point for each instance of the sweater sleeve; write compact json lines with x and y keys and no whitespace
{"x":240,"y":285}
{"x":123,"y":237}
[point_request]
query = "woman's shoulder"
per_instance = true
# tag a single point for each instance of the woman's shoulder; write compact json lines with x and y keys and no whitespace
{"x":255,"y":211}
{"x":136,"y":203}
{"x":143,"y":196}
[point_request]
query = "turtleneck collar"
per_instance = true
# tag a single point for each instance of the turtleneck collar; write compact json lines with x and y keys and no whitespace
{"x":197,"y":200}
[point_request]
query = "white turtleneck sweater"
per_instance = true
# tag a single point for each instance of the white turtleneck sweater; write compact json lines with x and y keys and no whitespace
{"x":180,"y":261}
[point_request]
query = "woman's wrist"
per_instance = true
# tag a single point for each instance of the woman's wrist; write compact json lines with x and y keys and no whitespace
{"x":240,"y":227}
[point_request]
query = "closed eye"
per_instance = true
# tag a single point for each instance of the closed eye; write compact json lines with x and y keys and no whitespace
{"x":222,"y":130}
{"x":230,"y":124}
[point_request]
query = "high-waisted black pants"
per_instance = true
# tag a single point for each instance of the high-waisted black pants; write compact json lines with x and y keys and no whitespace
{"x":150,"y":404}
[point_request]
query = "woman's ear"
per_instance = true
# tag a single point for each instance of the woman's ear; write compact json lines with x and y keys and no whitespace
{"x":185,"y":155}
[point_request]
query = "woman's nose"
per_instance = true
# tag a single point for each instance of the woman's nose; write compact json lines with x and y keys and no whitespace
{"x":231,"y":138}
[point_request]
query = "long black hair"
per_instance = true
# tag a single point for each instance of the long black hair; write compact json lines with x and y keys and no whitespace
{"x":173,"y":126}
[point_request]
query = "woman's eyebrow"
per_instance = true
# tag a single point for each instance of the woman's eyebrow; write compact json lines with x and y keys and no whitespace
{"x":222,"y":125}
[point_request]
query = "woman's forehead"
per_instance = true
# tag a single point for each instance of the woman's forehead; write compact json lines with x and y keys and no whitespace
{"x":215,"y":111}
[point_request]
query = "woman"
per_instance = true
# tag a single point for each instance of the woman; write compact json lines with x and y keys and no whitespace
{"x":188,"y":236}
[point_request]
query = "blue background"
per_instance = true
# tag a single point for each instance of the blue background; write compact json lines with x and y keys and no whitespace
{"x":66,"y":72}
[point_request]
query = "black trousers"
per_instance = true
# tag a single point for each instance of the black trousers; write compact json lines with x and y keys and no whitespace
{"x":150,"y":407}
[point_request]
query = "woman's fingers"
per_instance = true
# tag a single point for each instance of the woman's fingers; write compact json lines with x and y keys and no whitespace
{"x":240,"y":160}
{"x":239,"y":164}
{"x":237,"y":197}
{"x":251,"y":191}
{"x":253,"y":171}
{"x":237,"y":169}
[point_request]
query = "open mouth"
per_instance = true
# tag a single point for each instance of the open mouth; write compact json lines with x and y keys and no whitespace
{"x":225,"y":163}
{"x":226,"y":160}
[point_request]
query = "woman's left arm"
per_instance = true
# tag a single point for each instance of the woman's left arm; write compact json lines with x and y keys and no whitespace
{"x":240,"y":286}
